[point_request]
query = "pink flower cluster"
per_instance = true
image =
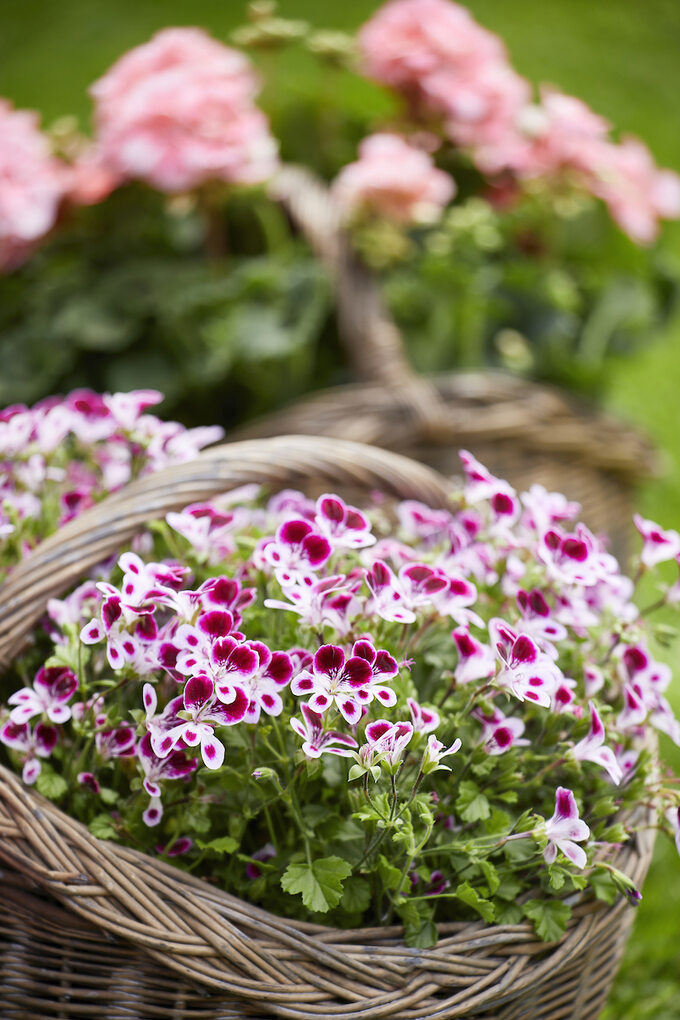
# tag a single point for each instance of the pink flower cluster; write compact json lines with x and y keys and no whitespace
{"x":506,"y":613}
{"x":178,"y":112}
{"x":32,"y":185}
{"x":396,"y":180}
{"x":449,"y":67}
{"x":436,"y":54}
{"x":73,"y":450}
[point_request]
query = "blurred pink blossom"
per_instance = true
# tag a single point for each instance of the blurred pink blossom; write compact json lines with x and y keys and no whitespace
{"x":436,"y":54}
{"x":394,"y":179}
{"x":637,"y":193}
{"x":178,"y":111}
{"x":32,"y":185}
{"x":412,"y":44}
{"x":559,"y":133}
{"x":91,"y":180}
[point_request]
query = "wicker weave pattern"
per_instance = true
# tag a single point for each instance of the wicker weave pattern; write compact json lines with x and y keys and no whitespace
{"x":182,"y":949}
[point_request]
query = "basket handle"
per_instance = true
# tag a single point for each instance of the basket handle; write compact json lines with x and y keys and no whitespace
{"x":373,"y":341}
{"x":65,"y":557}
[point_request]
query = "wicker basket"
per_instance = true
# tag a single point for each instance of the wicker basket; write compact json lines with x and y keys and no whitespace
{"x":522,"y":431}
{"x":93,"y":929}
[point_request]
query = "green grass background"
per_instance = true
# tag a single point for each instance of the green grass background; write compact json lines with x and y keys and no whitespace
{"x":621,"y":56}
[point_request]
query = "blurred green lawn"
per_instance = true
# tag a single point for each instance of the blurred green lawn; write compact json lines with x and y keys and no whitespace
{"x":621,"y":56}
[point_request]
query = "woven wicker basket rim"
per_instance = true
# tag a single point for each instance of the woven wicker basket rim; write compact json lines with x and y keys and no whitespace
{"x":299,"y":970}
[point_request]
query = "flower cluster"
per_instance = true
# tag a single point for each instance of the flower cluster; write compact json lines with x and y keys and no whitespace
{"x":436,"y":714}
{"x":179,"y":111}
{"x":394,"y":179}
{"x":32,"y":185}
{"x":452,"y":70}
{"x":62,"y":455}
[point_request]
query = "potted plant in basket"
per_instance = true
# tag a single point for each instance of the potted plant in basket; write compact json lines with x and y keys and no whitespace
{"x":400,"y":714}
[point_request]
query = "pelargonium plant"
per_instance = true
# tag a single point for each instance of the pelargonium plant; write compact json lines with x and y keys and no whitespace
{"x":360,"y":716}
{"x":64,"y":454}
{"x":494,"y":209}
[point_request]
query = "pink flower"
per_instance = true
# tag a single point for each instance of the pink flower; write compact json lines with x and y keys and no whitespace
{"x":213,"y":647}
{"x":117,"y":742}
{"x":417,"y":585}
{"x":265,"y":853}
{"x":394,"y":179}
{"x":175,"y":766}
{"x":416,"y":46}
{"x":31,"y":745}
{"x":434,"y":752}
{"x":331,"y":601}
{"x":32,"y":185}
{"x":344,"y":526}
{"x":537,"y":621}
{"x":296,"y":552}
{"x":526,"y":671}
{"x":90,"y":180}
{"x":500,"y":732}
{"x":500,"y":496}
{"x":560,"y":134}
{"x":658,"y":545}
{"x":544,"y":509}
{"x":482,"y":107}
{"x":576,"y":558}
{"x":349,"y":683}
{"x":590,"y":748}
{"x":476,"y":661}
{"x":636,"y":192}
{"x":317,"y":740}
{"x":565,"y":829}
{"x":159,"y":724}
{"x":424,"y":720}
{"x":52,"y":688}
{"x":178,"y":111}
{"x":273,"y":672}
{"x":89,"y":780}
{"x":423,"y":523}
{"x":389,"y":598}
{"x":208,"y":529}
{"x":388,"y":740}
{"x":205,"y":712}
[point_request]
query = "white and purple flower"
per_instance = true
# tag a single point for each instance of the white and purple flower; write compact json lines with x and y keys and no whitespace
{"x":316,"y":739}
{"x":52,"y":688}
{"x":565,"y":830}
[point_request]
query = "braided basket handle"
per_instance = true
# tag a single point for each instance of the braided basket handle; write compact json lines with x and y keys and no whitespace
{"x":373,"y":341}
{"x":65,"y":557}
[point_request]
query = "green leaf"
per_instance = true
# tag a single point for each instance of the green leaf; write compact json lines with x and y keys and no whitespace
{"x":468,"y":895}
{"x":101,"y":826}
{"x":556,"y":877}
{"x":420,"y":931}
{"x":549,"y":916}
{"x":390,"y":876}
{"x":614,"y":834}
{"x":508,"y":913}
{"x":508,"y":888}
{"x":108,"y":796}
{"x":603,"y":885}
{"x":472,"y":805}
{"x":51,"y":785}
{"x":319,"y":883}
{"x":491,"y":875}
{"x":221,"y":845}
{"x":356,"y":895}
